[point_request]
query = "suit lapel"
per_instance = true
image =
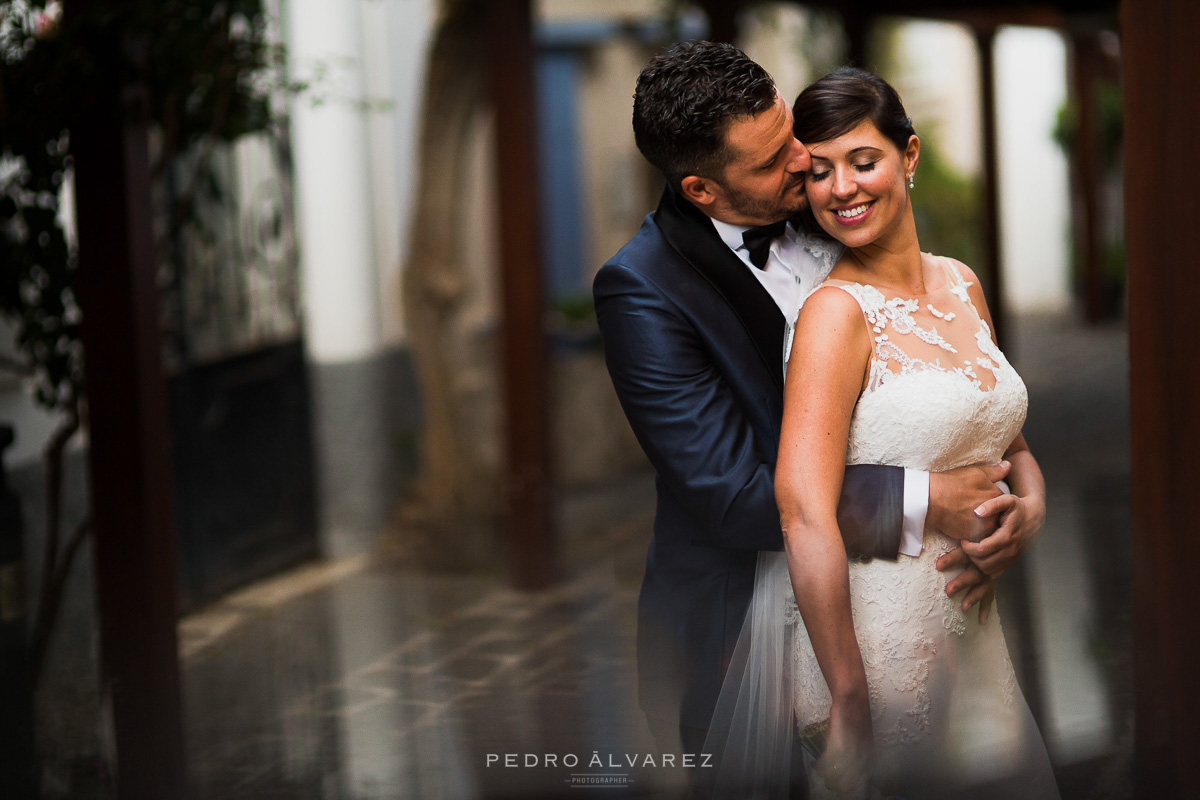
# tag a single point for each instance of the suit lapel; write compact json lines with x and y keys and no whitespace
{"x":691,"y":234}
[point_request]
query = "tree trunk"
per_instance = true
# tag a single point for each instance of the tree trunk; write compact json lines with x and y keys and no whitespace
{"x":456,"y":488}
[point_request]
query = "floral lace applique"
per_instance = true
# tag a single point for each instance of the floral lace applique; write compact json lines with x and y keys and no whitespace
{"x":896,"y":314}
{"x":826,"y":251}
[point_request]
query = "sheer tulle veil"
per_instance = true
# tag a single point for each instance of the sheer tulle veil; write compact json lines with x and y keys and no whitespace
{"x":751,"y":735}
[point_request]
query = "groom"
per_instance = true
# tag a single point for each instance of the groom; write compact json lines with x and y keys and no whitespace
{"x":694,"y":311}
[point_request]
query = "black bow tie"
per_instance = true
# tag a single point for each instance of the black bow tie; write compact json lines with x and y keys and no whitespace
{"x":758,"y":241}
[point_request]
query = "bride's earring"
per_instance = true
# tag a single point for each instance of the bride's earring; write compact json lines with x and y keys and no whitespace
{"x":910,"y":179}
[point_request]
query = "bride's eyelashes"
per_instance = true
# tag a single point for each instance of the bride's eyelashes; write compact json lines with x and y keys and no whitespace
{"x":820,"y":176}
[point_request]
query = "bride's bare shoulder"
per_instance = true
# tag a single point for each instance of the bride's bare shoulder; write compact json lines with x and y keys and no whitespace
{"x":831,"y":336}
{"x":830,"y":307}
{"x":954,"y":267}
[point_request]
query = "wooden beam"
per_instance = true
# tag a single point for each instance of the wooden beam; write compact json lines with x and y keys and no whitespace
{"x":857,"y":26}
{"x":1161,"y":72}
{"x":992,"y":279}
{"x":129,"y":437}
{"x":530,"y":534}
{"x":1086,"y":61}
{"x":722,"y":19}
{"x":980,"y":14}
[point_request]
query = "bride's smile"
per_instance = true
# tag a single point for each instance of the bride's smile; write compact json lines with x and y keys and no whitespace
{"x":854,"y":215}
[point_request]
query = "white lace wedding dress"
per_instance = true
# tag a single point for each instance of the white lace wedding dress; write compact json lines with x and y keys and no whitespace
{"x":948,"y":716}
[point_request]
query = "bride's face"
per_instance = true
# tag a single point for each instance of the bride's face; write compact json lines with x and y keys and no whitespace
{"x":857,"y":186}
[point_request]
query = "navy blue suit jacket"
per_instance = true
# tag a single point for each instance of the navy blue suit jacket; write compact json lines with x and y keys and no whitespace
{"x":694,"y":345}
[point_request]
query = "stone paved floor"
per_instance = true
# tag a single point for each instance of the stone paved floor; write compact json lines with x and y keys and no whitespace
{"x":366,"y":677}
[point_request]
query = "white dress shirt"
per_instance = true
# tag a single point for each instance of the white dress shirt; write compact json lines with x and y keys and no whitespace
{"x":791,"y":274}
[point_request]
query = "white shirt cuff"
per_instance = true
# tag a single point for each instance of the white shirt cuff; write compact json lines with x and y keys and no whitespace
{"x":916,"y":506}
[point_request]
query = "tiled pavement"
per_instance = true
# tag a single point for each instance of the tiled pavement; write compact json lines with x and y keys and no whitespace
{"x":367,"y":677}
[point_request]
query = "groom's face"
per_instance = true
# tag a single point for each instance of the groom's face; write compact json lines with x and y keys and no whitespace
{"x":763,"y":181}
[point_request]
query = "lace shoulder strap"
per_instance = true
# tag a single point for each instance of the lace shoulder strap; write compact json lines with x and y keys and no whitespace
{"x":876,"y":312}
{"x":958,"y":284}
{"x":869,"y":299}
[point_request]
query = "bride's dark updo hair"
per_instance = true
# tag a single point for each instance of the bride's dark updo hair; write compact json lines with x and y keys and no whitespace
{"x":835,"y":103}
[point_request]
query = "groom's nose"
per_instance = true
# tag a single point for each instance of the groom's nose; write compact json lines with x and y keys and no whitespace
{"x":800,"y":160}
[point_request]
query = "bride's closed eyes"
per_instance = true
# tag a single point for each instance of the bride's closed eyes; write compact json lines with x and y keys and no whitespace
{"x":819,"y":175}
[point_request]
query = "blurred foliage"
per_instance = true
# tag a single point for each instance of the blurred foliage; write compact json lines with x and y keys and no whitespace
{"x":948,"y":208}
{"x":1110,"y":123}
{"x":575,"y":307}
{"x":1111,"y":132}
{"x":209,"y":68}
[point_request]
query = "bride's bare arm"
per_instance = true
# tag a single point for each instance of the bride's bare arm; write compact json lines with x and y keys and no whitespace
{"x":825,"y":376}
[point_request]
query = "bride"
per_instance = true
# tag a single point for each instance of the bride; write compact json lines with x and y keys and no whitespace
{"x":894,"y":363}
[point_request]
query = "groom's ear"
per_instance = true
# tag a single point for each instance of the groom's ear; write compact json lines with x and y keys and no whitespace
{"x":701,"y":191}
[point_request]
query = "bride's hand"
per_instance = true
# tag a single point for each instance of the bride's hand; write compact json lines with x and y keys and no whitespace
{"x":845,"y":764}
{"x":1021,"y":520}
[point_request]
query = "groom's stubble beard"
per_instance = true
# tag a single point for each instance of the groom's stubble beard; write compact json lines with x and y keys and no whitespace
{"x":774,"y":210}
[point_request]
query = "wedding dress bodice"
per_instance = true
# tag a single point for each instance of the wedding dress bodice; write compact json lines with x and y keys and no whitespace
{"x":940,"y":394}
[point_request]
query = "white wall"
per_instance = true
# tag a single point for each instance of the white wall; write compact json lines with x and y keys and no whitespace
{"x":333,"y":194}
{"x":1031,"y":77}
{"x":32,"y":425}
{"x":356,"y":164}
{"x":397,"y":34}
{"x":939,"y":83}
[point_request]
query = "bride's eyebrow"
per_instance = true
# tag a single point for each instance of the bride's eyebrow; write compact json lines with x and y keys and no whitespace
{"x":852,"y":153}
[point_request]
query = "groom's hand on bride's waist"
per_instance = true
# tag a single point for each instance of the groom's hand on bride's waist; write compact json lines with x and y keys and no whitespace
{"x":956,"y":495}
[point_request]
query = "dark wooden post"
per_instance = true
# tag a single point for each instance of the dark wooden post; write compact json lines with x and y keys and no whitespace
{"x":1161,"y":72}
{"x":530,"y":534}
{"x":993,"y":285}
{"x":857,"y":24}
{"x":722,"y":19}
{"x":130,"y":467}
{"x":1086,"y":61}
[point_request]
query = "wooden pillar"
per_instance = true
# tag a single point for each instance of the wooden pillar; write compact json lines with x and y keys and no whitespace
{"x":993,"y":285}
{"x":856,"y":24}
{"x":129,"y":460}
{"x":722,"y":20}
{"x":527,"y":491}
{"x":1086,"y":62}
{"x":1161,"y":73}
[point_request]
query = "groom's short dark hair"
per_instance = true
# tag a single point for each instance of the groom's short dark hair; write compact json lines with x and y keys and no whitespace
{"x":685,"y":100}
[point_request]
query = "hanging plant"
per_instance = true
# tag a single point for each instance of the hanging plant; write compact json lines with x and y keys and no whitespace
{"x":211,"y":70}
